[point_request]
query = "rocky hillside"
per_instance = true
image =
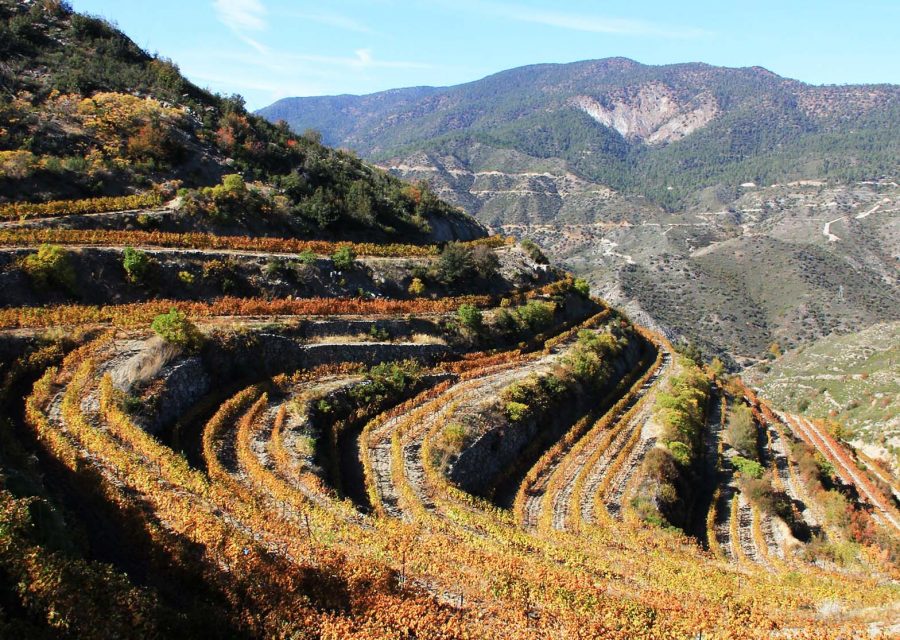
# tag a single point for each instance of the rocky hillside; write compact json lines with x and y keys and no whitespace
{"x":86,"y":113}
{"x":662,"y":132}
{"x":852,"y":379}
{"x":684,"y":192}
{"x":280,"y":405}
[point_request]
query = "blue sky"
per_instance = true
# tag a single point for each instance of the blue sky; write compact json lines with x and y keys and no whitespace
{"x":270,"y":49}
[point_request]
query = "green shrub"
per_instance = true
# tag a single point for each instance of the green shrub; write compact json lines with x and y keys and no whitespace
{"x":485,"y":261}
{"x":534,"y":251}
{"x":306,"y":257}
{"x":659,"y":466}
{"x":470,"y":317}
{"x":454,"y":436}
{"x":553,"y":385}
{"x":305,"y":445}
{"x":836,"y":508}
{"x":222,"y":273}
{"x":582,"y":287}
{"x":175,"y":328}
{"x":747,"y":467}
{"x":379,"y":334}
{"x":681,"y":452}
{"x":741,"y":431}
{"x":137,"y":264}
{"x":588,"y":360}
{"x":274,"y":267}
{"x":536,"y":315}
{"x":232,"y":184}
{"x":505,"y":322}
{"x":455,"y":263}
{"x":50,"y":266}
{"x":343,"y":258}
{"x":692,"y":352}
{"x":517,"y":391}
{"x":517,"y":411}
{"x":323,"y":406}
{"x":416,"y":287}
{"x":680,"y":408}
{"x":387,"y":380}
{"x":186,"y":277}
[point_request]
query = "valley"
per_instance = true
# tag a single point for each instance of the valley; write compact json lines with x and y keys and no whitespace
{"x":252,"y":386}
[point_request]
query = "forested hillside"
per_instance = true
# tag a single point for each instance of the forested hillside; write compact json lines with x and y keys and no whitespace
{"x":663,"y":132}
{"x":87,"y":113}
{"x":698,"y":197}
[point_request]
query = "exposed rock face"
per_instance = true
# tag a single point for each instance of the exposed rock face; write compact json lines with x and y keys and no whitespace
{"x":651,"y":113}
{"x":183,"y":383}
{"x":449,"y":228}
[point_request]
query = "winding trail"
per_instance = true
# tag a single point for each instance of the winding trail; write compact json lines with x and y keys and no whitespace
{"x":826,"y":230}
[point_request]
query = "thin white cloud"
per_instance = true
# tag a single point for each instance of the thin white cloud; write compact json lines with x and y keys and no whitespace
{"x":589,"y":23}
{"x":254,"y":43}
{"x":336,"y":20}
{"x":273,"y":74}
{"x":242,"y":16}
{"x":361,"y":59}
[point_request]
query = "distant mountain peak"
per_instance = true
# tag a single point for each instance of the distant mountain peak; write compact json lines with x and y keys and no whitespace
{"x":764,"y":72}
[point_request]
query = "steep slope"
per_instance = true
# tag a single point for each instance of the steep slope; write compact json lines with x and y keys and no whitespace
{"x":649,"y":181}
{"x":223,"y":416}
{"x":662,"y":132}
{"x":853,"y":379}
{"x":87,"y":113}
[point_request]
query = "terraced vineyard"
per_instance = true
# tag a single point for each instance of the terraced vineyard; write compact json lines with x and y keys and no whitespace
{"x":323,"y":404}
{"x":333,"y":493}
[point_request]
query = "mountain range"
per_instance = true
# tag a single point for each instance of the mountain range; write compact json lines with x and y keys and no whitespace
{"x":658,"y":131}
{"x":647,"y":179}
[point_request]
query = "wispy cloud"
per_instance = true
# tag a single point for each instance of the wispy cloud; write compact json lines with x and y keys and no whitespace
{"x":362,"y":59}
{"x":336,"y":20}
{"x":590,"y":23}
{"x":274,"y":74}
{"x":242,"y":16}
{"x":597,"y":24}
{"x":284,"y":62}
